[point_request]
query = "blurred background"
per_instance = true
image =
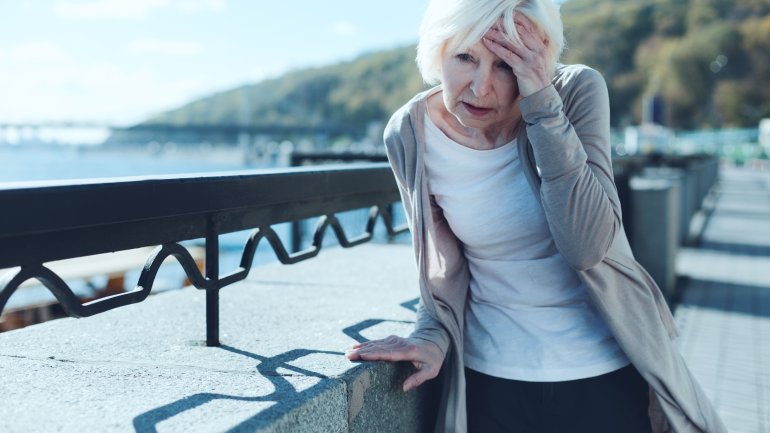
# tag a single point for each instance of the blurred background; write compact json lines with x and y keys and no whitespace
{"x":111,"y":88}
{"x":197,"y":85}
{"x":95,"y":88}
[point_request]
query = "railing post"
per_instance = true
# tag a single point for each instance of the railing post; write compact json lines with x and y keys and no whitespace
{"x":389,"y":214}
{"x":212,"y":273}
{"x":296,"y":236}
{"x":296,"y":226}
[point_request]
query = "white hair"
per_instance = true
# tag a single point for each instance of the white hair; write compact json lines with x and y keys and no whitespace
{"x":456,"y":25}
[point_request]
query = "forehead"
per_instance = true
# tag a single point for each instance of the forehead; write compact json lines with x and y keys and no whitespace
{"x":471,"y":36}
{"x":477,"y":49}
{"x":463,"y":42}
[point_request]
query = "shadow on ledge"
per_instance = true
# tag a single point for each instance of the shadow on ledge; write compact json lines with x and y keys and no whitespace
{"x":371,"y":394}
{"x":285,"y":396}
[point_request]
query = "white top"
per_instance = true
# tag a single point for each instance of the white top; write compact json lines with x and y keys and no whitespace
{"x":528,"y":316}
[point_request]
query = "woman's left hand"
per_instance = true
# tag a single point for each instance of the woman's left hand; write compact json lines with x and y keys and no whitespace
{"x":529,"y":59}
{"x":425,"y":356}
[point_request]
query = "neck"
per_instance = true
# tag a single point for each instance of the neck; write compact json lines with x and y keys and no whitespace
{"x":475,"y":138}
{"x":488,"y":138}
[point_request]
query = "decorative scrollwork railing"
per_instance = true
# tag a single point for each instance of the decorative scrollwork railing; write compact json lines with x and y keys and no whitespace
{"x":188,"y":208}
{"x":287,"y":258}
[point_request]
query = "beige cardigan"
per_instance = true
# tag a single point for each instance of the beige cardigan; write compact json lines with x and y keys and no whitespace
{"x":565,"y":152}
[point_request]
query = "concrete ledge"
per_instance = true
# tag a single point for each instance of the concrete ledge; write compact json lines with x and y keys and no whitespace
{"x":280,"y":368}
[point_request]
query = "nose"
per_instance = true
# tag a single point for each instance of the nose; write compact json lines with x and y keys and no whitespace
{"x":482,"y":81}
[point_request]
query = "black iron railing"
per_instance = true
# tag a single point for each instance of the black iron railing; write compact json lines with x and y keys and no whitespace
{"x":43,"y":222}
{"x":300,"y":159}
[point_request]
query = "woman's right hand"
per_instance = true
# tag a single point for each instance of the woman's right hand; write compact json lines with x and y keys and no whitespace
{"x":424,"y":355}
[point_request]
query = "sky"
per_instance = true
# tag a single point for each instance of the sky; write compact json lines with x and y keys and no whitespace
{"x":121,"y":61}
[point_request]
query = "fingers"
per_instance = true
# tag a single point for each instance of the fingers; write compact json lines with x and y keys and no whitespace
{"x":370,"y":343}
{"x":352,"y":354}
{"x":418,"y":378}
{"x":426,"y":357}
{"x":424,"y":372}
{"x":524,"y":22}
{"x":389,"y":349}
{"x":503,"y":47}
{"x":527,"y":54}
{"x":529,"y":33}
{"x":529,"y":38}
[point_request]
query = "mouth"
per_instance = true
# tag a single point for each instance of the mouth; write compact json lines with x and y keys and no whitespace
{"x":476,"y":111}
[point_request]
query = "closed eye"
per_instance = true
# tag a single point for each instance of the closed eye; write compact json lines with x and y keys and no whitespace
{"x":464,"y":57}
{"x":505,"y":66}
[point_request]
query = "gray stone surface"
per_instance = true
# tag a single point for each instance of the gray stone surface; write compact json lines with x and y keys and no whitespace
{"x":280,"y":368}
{"x":60,"y":395}
{"x":655,"y":232}
{"x":724,"y":315}
{"x":377,"y":403}
{"x":685,"y":186}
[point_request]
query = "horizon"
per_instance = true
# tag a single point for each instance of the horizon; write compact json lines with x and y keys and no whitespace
{"x":120,"y":63}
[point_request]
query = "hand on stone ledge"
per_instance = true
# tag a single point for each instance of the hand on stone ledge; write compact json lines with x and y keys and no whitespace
{"x":424,"y":355}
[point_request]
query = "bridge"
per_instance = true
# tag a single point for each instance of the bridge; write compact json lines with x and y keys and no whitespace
{"x":94,"y":132}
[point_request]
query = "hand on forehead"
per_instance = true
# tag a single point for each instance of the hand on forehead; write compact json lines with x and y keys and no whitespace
{"x":525,"y":27}
{"x":526,"y":52}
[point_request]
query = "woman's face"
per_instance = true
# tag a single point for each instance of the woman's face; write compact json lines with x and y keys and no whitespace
{"x":479,"y":89}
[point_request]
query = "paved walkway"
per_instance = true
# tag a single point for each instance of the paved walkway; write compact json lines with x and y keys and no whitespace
{"x":724,"y":313}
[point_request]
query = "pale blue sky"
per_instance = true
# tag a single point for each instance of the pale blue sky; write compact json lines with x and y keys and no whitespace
{"x":120,"y":61}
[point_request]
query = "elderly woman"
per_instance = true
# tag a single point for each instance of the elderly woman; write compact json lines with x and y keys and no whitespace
{"x":532,"y":303}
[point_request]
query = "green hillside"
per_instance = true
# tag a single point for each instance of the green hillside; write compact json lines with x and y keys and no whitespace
{"x":709,"y":61}
{"x":357,"y":92}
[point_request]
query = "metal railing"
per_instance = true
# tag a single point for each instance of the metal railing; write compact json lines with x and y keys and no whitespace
{"x":300,"y":159}
{"x":43,"y":222}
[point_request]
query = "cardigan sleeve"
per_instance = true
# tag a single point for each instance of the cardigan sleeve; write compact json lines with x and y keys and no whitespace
{"x":397,"y":131}
{"x":429,"y":329}
{"x":397,"y":157}
{"x":569,"y":133}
